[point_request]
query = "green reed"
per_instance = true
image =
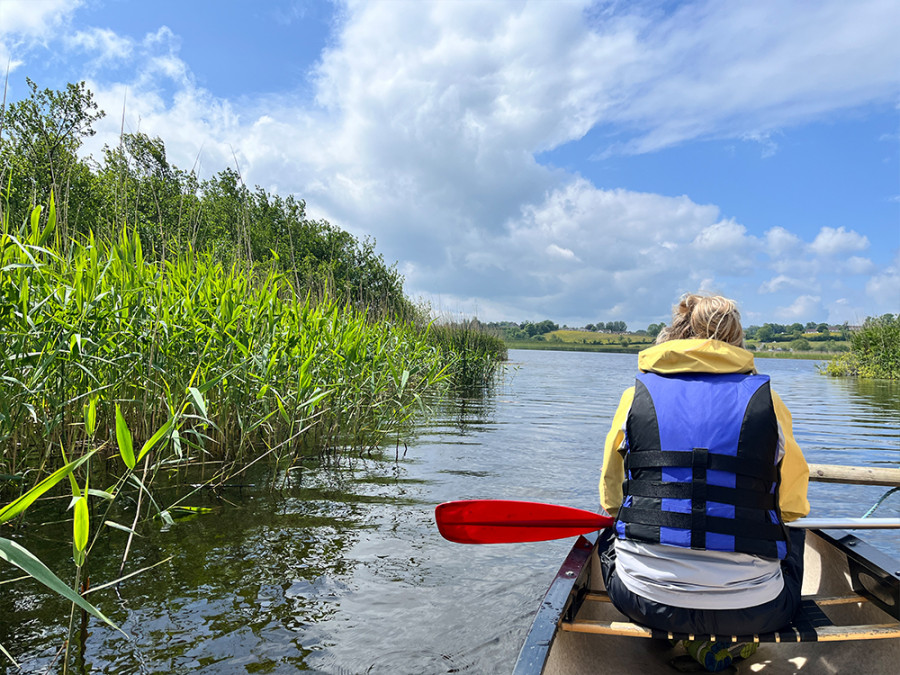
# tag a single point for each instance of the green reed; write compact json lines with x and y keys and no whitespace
{"x":100,"y":326}
{"x":112,"y":361}
{"x":478,"y":353}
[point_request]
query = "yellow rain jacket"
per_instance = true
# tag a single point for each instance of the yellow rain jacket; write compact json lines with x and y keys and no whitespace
{"x":704,"y":356}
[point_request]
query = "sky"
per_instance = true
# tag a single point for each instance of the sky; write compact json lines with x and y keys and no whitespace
{"x":568,"y":160}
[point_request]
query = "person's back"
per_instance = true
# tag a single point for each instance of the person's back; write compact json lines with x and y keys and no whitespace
{"x":701,"y":470}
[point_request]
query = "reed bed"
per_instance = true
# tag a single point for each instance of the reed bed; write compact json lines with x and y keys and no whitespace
{"x":232,"y":360}
{"x":116,"y":366}
{"x":478,"y":353}
{"x":154,"y":366}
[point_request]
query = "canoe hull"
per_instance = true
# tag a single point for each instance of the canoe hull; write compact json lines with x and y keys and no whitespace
{"x":837,"y":566}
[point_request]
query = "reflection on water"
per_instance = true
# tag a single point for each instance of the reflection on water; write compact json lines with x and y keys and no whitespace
{"x":341,"y":569}
{"x":881,"y":394}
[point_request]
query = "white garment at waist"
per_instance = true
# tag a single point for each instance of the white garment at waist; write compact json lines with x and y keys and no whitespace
{"x":684,"y":577}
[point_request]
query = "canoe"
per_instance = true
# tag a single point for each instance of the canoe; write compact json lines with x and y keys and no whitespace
{"x":849,"y":621}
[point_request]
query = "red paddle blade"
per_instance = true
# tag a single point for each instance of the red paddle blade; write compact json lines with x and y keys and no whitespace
{"x":501,"y":521}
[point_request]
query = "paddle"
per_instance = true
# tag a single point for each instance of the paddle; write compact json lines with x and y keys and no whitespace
{"x":502,"y":521}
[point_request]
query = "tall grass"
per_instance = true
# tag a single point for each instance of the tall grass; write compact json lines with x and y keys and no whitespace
{"x":151,"y":366}
{"x":102,"y":327}
{"x":478,"y":353}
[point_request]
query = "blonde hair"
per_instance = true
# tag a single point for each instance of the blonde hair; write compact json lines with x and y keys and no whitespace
{"x":705,"y":317}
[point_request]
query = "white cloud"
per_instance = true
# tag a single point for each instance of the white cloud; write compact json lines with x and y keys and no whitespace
{"x":427,"y":118}
{"x":719,"y":69}
{"x":782,"y":283}
{"x":24,"y":23}
{"x":764,"y":139}
{"x":724,"y":236}
{"x":838,"y":241}
{"x":104,"y":46}
{"x":780,"y":242}
{"x":622,"y":244}
{"x":844,"y":309}
{"x":34,"y":18}
{"x":857,"y":265}
{"x":802,"y":308}
{"x":884,"y":289}
{"x":555,"y":251}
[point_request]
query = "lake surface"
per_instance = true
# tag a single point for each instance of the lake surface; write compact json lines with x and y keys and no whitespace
{"x":341,"y":569}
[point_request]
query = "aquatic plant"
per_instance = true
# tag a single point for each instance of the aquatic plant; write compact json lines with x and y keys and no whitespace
{"x":477,"y":352}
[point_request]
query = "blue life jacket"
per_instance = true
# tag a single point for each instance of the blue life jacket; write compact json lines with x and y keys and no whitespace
{"x":701,"y":467}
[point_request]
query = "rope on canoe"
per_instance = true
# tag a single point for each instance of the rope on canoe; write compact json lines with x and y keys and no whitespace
{"x":879,"y":502}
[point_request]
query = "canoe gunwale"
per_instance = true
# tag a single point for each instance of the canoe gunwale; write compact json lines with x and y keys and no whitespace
{"x":568,"y":586}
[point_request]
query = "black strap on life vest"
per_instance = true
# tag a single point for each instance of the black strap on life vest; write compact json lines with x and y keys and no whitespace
{"x":714,"y":493}
{"x":745,"y":466}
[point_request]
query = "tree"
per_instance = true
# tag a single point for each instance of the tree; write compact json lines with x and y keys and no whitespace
{"x":139,"y":187}
{"x":45,"y":132}
{"x":765,"y":332}
{"x":547,"y":326}
{"x":654,"y":329}
{"x":136,"y":186}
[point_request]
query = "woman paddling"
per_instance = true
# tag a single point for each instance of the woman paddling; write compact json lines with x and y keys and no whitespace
{"x":701,"y":470}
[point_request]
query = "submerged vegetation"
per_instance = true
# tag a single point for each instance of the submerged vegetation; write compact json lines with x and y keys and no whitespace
{"x":874,"y":351}
{"x":151,"y":323}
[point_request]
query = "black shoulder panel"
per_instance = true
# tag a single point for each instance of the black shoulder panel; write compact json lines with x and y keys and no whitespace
{"x":642,"y":427}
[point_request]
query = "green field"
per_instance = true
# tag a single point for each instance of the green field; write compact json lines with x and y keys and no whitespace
{"x":632,"y":343}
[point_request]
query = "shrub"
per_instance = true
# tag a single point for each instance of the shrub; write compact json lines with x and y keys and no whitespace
{"x":874,"y":351}
{"x":800,"y":345}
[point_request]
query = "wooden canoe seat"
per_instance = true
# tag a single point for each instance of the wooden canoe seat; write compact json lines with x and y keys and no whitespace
{"x":810,"y":625}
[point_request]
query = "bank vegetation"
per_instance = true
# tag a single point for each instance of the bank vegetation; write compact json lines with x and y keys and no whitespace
{"x":874,"y":351}
{"x":155,"y":324}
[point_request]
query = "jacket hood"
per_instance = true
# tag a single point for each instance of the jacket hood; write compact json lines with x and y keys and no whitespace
{"x":695,"y":356}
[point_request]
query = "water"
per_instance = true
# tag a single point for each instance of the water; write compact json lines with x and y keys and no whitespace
{"x":341,"y":570}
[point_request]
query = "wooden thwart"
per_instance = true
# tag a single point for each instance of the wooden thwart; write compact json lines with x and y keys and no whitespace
{"x":854,"y":475}
{"x":822,"y":634}
{"x":810,"y":625}
{"x":820,"y":600}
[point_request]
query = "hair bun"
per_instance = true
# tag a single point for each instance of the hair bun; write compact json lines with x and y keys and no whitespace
{"x":705,"y":317}
{"x":688,"y":303}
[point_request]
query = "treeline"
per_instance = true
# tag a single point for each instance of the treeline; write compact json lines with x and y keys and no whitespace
{"x":812,"y":331}
{"x":510,"y":330}
{"x":609,"y":327}
{"x":135,"y":185}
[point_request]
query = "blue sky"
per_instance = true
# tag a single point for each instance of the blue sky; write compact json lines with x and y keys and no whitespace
{"x":579,"y":161}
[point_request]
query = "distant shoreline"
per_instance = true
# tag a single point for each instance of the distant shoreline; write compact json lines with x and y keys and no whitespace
{"x":634,"y":349}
